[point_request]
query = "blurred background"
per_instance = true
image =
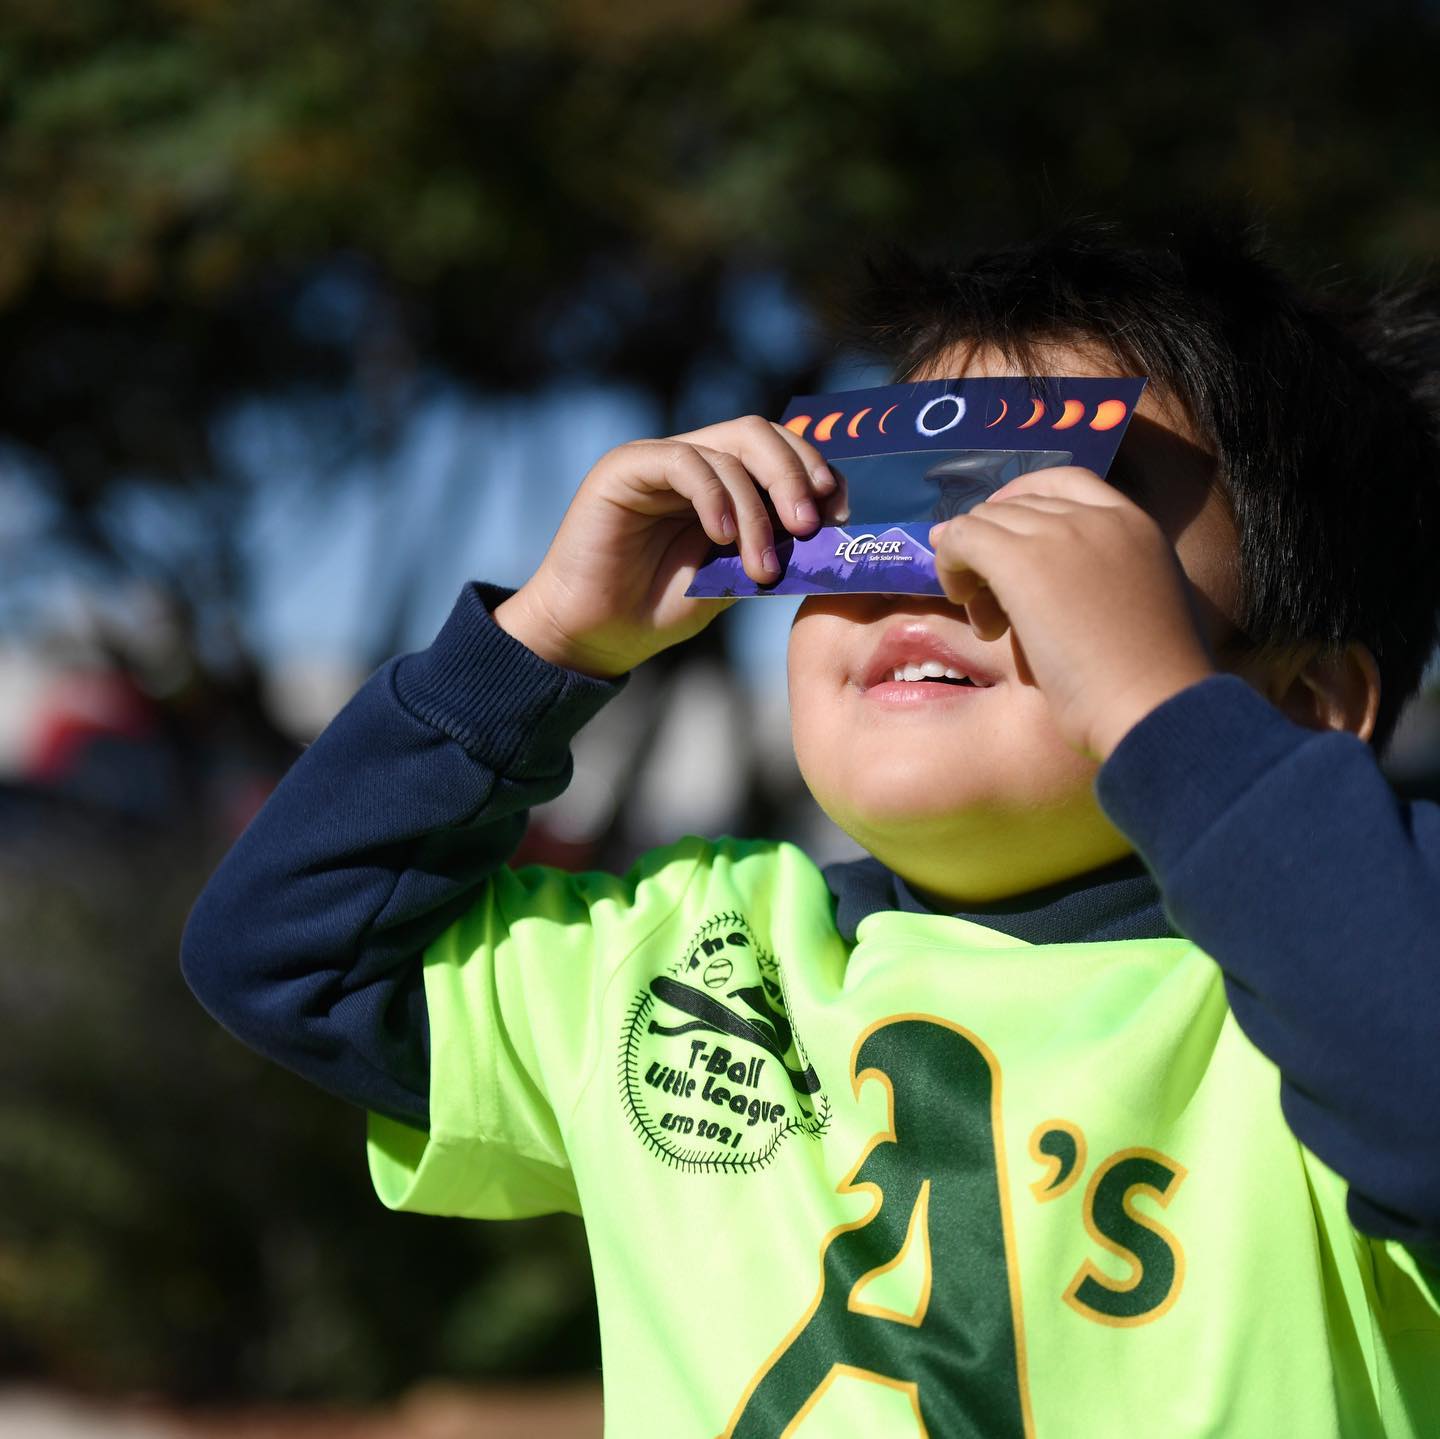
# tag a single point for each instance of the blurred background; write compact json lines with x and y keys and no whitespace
{"x":309,"y":313}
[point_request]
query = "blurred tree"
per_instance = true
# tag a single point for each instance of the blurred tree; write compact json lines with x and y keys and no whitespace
{"x":183,"y":1217}
{"x":509,"y":189}
{"x":542,"y":185}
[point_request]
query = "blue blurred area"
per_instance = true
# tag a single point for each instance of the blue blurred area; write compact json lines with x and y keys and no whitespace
{"x":336,"y":529}
{"x":471,"y":487}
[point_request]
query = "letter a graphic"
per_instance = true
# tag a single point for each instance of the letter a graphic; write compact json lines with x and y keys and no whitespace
{"x":939,"y":1166}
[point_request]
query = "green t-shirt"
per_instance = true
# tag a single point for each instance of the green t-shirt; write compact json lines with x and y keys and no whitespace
{"x":942,"y":1182}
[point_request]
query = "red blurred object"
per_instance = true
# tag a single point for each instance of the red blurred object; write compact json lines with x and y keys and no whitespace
{"x":80,"y":709}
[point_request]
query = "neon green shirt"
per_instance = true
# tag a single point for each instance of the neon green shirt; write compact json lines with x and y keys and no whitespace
{"x":942,"y":1182}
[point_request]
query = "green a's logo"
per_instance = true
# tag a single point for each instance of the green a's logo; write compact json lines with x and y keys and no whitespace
{"x":936,"y":1171}
{"x":936,"y":1180}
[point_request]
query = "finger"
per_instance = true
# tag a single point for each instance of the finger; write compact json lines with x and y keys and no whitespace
{"x":784,"y":466}
{"x":988,"y":519}
{"x":964,"y":585}
{"x":960,"y":580}
{"x":779,"y":462}
{"x":971,"y":549}
{"x":1043,"y":504}
{"x":835,"y":507}
{"x":1062,"y":481}
{"x":987,"y":615}
{"x":1023,"y":672}
{"x":756,"y":535}
{"x":688,"y":472}
{"x":822,"y":476}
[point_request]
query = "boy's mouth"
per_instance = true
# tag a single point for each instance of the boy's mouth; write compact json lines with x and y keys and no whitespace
{"x":931,"y":670}
{"x":912,"y":658}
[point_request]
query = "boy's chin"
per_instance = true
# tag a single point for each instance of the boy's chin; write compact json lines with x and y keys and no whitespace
{"x":906,"y":794}
{"x":897,"y":821}
{"x":975,"y":848}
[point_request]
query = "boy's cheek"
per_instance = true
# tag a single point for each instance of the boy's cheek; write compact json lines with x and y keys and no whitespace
{"x":816,"y":640}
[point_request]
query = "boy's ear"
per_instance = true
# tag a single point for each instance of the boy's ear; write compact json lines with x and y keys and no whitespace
{"x":1322,"y":689}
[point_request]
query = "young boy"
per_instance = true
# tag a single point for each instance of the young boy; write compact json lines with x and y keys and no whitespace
{"x":1106,"y":1093}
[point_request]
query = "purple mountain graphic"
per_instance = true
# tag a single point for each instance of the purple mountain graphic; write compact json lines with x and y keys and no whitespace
{"x":836,"y":559}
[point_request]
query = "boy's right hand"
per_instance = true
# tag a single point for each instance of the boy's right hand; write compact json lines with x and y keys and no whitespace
{"x":610,"y":591}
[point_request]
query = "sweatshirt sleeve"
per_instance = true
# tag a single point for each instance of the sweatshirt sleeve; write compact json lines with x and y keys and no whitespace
{"x":1286,"y":856}
{"x":307,"y":941}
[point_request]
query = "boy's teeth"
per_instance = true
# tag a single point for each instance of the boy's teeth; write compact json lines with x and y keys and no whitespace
{"x":930,"y":670}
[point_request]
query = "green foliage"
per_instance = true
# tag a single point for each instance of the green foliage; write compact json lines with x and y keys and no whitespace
{"x":172,"y":169}
{"x":179,"y":145}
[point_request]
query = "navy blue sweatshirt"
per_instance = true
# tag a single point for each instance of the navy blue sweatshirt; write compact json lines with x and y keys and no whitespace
{"x":1281,"y":851}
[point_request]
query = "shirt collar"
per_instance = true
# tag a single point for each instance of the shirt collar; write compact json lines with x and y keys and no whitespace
{"x":1117,"y":901}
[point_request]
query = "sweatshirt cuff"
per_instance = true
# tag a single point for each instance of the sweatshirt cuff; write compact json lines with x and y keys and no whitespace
{"x":510,"y":709}
{"x":1177,"y":771}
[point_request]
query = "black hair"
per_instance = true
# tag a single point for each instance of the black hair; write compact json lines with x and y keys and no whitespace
{"x":1321,"y":407}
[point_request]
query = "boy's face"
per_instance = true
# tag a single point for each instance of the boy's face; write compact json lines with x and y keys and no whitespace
{"x":971,"y":794}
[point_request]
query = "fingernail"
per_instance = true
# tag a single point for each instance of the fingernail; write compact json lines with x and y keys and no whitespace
{"x":823,"y":478}
{"x":807,"y":514}
{"x":727,"y":526}
{"x":770,"y":561}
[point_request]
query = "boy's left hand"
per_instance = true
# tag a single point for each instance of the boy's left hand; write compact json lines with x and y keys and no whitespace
{"x":1092,"y":591}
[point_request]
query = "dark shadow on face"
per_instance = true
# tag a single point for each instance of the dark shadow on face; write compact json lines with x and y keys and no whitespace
{"x":1168,"y":476}
{"x":1173,"y":480}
